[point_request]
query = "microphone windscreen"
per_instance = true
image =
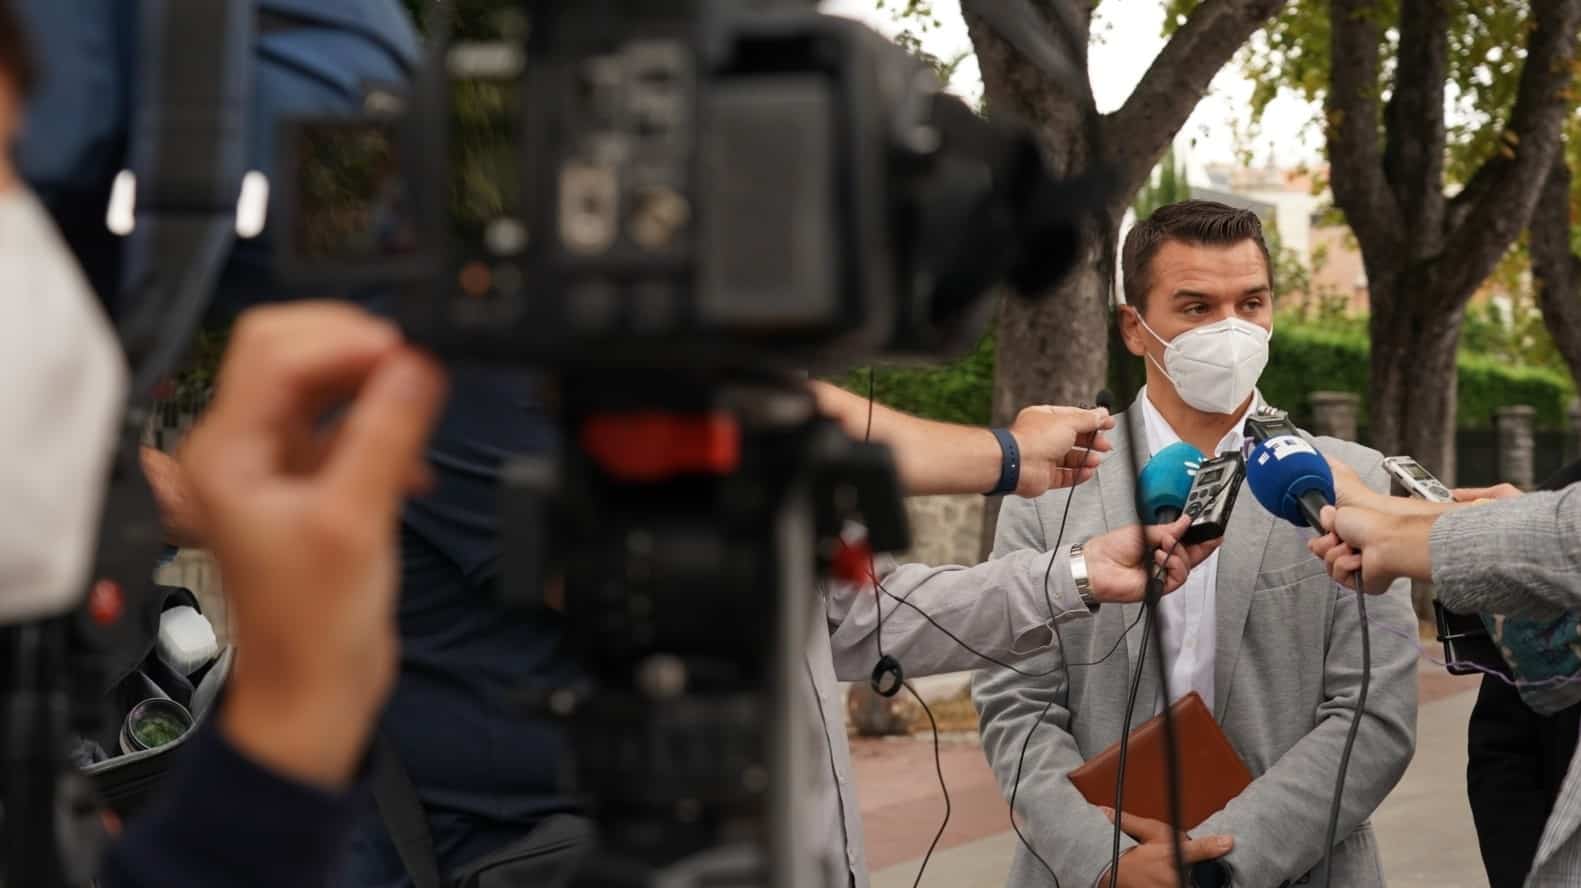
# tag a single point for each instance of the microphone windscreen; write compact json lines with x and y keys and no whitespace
{"x":1281,"y":469}
{"x":1165,"y":481}
{"x":1105,"y":400}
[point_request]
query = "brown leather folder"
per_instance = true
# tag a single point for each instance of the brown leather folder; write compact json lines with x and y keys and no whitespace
{"x":1211,"y":773}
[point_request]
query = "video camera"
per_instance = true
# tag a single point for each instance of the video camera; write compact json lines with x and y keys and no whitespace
{"x":668,"y":208}
{"x":689,"y":184}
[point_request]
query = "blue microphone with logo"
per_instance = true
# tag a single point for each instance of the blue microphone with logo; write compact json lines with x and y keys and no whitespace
{"x":1165,"y":483}
{"x":1291,"y":479}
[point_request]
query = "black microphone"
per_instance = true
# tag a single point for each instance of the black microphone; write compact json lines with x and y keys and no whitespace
{"x":1105,"y":400}
{"x":1269,"y":422}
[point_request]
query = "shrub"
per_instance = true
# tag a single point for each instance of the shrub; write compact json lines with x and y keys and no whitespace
{"x":1303,"y":358}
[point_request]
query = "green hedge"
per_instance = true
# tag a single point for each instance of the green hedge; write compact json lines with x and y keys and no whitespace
{"x":959,"y":391}
{"x":1304,"y":358}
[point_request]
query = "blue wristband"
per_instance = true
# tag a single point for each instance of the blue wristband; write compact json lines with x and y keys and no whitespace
{"x":1009,"y":463}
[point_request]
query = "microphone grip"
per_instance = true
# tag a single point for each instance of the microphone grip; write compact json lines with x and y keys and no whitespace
{"x":1312,"y":503}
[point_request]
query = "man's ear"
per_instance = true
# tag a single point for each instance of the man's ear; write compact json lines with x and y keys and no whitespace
{"x":1131,"y":330}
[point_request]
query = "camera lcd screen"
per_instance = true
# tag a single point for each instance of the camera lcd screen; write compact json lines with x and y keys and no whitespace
{"x":485,"y":66}
{"x":484,"y":164}
{"x":352,"y":203}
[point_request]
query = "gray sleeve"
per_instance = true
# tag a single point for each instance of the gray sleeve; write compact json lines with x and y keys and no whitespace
{"x":1026,"y":715}
{"x":1520,"y":557}
{"x":1067,"y":831}
{"x":1002,"y":608}
{"x":1280,"y":821}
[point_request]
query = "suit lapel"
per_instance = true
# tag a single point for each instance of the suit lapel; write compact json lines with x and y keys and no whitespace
{"x":1117,"y":481}
{"x":1240,"y":560}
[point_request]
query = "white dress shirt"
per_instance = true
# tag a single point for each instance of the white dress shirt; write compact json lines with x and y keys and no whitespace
{"x":1186,"y":615}
{"x":62,"y":380}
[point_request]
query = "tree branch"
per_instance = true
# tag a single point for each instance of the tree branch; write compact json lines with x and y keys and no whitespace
{"x":1498,"y":203}
{"x":1136,"y":135}
{"x":1413,"y":160}
{"x":1556,"y":270}
{"x":1356,"y":165}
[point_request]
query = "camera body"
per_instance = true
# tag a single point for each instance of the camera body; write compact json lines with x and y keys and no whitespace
{"x":684,"y":184}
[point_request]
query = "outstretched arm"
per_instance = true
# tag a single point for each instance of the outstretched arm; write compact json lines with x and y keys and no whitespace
{"x":943,"y":457}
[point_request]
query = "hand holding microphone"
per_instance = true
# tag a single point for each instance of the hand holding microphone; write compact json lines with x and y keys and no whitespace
{"x":1060,"y":446}
{"x":1119,"y":561}
{"x":1391,"y":546}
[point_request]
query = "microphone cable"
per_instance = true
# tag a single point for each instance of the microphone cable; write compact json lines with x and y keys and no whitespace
{"x":1355,"y":726}
{"x":1171,"y":742}
{"x":1151,"y":597}
{"x":1152,"y":593}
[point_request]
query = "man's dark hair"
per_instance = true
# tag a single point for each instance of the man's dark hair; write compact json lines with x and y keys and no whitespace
{"x":16,"y":55}
{"x":1196,"y":222}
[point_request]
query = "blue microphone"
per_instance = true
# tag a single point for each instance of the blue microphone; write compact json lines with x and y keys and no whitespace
{"x":1165,"y":482}
{"x":1291,"y":479}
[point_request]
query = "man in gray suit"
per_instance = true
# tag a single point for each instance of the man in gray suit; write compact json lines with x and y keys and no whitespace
{"x":1259,"y":630}
{"x":1517,"y":556}
{"x":1006,"y":609}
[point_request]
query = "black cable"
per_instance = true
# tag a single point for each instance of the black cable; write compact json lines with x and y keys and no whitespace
{"x":987,"y":658}
{"x":1355,"y":725}
{"x":938,"y":765}
{"x":1151,"y":596}
{"x":1125,"y":745}
{"x":878,"y":638}
{"x":1171,"y":742}
{"x":867,"y":436}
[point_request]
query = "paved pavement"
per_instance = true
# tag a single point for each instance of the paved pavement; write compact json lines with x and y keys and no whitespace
{"x":1424,"y":827}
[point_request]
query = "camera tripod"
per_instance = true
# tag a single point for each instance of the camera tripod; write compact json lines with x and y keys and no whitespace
{"x":691,"y":515}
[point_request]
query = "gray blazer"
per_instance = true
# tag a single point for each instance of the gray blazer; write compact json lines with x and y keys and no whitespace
{"x":1288,"y":658}
{"x":1522,"y":557}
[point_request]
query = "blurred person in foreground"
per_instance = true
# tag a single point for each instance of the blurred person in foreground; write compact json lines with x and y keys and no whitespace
{"x":304,"y":527}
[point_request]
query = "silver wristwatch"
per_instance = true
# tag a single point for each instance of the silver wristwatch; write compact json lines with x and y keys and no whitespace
{"x":1078,"y":573}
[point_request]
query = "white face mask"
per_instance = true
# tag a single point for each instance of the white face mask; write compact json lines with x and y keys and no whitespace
{"x":1216,"y":366}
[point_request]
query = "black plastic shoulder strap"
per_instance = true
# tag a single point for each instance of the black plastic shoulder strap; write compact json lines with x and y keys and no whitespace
{"x":187,"y":150}
{"x":402,"y":813}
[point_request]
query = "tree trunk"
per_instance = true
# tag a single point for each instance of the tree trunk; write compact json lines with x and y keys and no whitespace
{"x":1412,"y":385}
{"x":1053,"y":350}
{"x":1557,"y":270}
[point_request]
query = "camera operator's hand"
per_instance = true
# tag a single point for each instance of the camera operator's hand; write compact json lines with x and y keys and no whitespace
{"x":178,"y":510}
{"x":1059,"y":446}
{"x":1119,"y":561}
{"x":304,"y":520}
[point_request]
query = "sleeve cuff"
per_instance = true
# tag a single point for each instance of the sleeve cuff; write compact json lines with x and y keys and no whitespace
{"x":1448,"y":539}
{"x":223,"y":813}
{"x":1031,"y":628}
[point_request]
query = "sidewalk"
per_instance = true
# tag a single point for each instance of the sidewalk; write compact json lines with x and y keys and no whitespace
{"x":1424,"y":827}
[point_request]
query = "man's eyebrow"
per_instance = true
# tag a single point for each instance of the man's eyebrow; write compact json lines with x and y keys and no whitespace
{"x":1257,"y":290}
{"x":1188,"y":294}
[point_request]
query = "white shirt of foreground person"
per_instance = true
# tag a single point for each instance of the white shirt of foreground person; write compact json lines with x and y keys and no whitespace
{"x":1187,"y":613}
{"x":62,"y":382}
